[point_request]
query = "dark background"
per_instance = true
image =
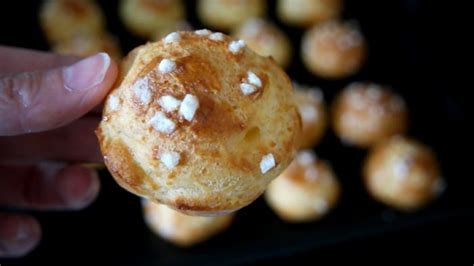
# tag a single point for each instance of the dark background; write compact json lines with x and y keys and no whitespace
{"x":415,"y":46}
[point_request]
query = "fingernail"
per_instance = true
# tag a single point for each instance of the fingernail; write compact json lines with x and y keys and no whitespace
{"x":81,"y":190}
{"x":87,"y":73}
{"x":93,"y":190}
{"x":25,"y":236}
{"x":23,"y":233}
{"x":49,"y":169}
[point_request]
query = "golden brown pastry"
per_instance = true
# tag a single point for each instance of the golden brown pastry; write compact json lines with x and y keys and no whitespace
{"x":333,"y":49}
{"x":199,"y":122}
{"x":180,"y":229}
{"x":313,"y":114}
{"x":403,"y":174}
{"x":89,"y":45}
{"x":305,"y":13}
{"x":266,"y":39}
{"x":366,"y":113}
{"x":63,"y":20}
{"x":145,"y":18}
{"x":306,"y":191}
{"x":228,"y":14}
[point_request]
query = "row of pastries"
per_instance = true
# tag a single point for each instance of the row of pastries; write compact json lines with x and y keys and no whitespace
{"x":331,"y":48}
{"x":398,"y":171}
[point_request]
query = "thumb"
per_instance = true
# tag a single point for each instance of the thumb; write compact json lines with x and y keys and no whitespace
{"x":46,"y":99}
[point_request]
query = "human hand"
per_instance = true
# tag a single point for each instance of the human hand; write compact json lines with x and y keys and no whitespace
{"x":42,"y":97}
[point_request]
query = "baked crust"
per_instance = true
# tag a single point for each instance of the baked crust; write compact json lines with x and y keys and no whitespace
{"x":221,"y":148}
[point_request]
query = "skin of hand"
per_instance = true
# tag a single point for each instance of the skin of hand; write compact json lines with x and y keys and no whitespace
{"x":47,"y":123}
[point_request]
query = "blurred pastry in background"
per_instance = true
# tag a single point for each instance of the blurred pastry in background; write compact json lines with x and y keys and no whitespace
{"x":266,"y":39}
{"x":366,"y":113}
{"x":305,"y":13}
{"x":89,"y":45}
{"x":199,"y":122}
{"x":306,"y":191}
{"x":181,"y":25}
{"x":63,"y":20}
{"x":334,"y":49}
{"x":227,"y":14}
{"x":145,"y":18}
{"x":312,"y":109}
{"x":403,"y":174}
{"x":180,"y":229}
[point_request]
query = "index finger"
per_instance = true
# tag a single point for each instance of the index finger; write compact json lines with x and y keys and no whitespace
{"x":29,"y":60}
{"x":75,"y":142}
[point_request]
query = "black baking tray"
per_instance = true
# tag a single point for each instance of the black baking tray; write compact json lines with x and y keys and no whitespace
{"x":406,"y":52}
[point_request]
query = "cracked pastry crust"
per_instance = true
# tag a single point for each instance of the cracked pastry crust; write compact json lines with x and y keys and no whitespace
{"x":228,"y":129}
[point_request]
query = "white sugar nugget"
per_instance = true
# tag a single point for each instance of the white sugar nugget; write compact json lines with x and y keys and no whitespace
{"x":189,"y":106}
{"x":162,"y":124}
